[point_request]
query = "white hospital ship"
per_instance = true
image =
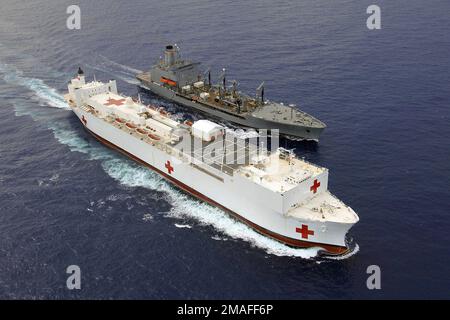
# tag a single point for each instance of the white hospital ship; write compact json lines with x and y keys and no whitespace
{"x":274,"y":192}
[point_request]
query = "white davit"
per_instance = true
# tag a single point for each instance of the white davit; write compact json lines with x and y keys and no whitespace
{"x":274,"y":192}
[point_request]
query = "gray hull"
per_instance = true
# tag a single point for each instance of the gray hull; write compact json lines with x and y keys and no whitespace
{"x":250,"y":121}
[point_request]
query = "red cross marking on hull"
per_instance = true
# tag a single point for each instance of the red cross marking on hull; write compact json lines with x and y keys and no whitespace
{"x":169,"y":167}
{"x":84,"y":120}
{"x":112,"y":101}
{"x":304,"y":231}
{"x":315,"y":186}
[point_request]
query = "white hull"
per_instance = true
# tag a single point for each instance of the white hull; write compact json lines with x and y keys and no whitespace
{"x":235,"y":194}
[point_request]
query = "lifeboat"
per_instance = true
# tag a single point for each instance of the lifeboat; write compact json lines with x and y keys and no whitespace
{"x":168,"y":81}
{"x":163,"y":112}
{"x":130,"y":125}
{"x":188,"y":123}
{"x":153,"y":136}
{"x":119,"y":120}
{"x":150,"y":106}
{"x":141,"y":131}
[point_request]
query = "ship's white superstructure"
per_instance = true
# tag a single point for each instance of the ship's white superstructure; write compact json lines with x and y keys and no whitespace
{"x":277,"y":194}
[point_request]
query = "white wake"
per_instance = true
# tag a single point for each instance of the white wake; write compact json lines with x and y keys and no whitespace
{"x":354,"y":251}
{"x":185,"y":206}
{"x":42,"y":91}
{"x":120,"y":66}
{"x":118,"y":70}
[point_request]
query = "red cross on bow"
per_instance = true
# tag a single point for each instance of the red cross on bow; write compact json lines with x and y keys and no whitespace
{"x":169,"y":167}
{"x":112,"y":101}
{"x":315,"y":186}
{"x":84,"y":120}
{"x":304,"y":231}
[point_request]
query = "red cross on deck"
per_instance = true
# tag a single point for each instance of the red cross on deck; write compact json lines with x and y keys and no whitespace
{"x":315,"y":186}
{"x":304,"y":231}
{"x":169,"y":167}
{"x":112,"y":101}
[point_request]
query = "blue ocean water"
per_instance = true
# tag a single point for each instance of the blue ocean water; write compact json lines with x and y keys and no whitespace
{"x":66,"y":199}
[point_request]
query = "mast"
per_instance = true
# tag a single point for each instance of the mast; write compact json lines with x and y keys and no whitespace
{"x":207,"y":75}
{"x":224,"y":81}
{"x":260,"y":92}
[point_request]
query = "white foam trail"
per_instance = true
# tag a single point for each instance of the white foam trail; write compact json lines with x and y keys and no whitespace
{"x":147,"y":217}
{"x":119,"y":71}
{"x":243,"y":134}
{"x":181,"y":226}
{"x":122,"y":66}
{"x":127,"y":78}
{"x":217,"y":238}
{"x":345,"y":256}
{"x":45,"y":93}
{"x":72,"y":139}
{"x":184,"y":206}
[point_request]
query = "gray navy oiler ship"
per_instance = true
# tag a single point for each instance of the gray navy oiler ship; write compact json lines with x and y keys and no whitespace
{"x":182,"y":81}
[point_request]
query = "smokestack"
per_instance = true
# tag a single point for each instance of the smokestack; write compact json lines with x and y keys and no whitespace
{"x":170,"y":55}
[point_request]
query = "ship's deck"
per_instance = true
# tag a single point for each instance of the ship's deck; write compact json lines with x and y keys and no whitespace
{"x":280,"y":175}
{"x":226,"y":102}
{"x":281,"y":113}
{"x":144,"y":76}
{"x":324,"y":207}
